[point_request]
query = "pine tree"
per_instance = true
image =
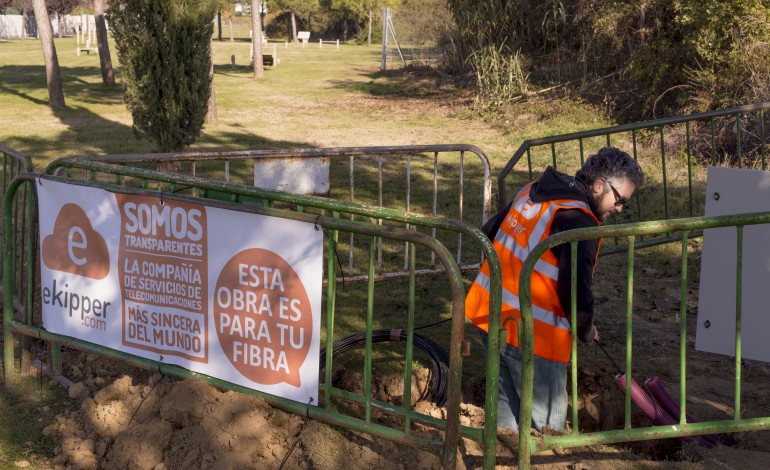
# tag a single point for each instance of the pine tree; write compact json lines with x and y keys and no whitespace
{"x":163,"y":46}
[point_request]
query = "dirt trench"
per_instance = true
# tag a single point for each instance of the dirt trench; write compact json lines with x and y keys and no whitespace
{"x":134,"y":419}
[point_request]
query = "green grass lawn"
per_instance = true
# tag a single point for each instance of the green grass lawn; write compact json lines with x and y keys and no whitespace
{"x":25,"y":410}
{"x":313,"y":98}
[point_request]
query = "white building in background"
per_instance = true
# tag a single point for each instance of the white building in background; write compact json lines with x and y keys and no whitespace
{"x":245,"y":8}
{"x":11,"y":25}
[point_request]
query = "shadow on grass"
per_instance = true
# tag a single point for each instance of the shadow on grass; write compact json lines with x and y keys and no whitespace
{"x":237,"y":71}
{"x":74,"y":82}
{"x":97,"y":132}
{"x":28,"y":407}
{"x":413,"y":81}
{"x":83,"y":125}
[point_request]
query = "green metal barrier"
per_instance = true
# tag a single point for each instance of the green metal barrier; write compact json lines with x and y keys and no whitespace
{"x":23,"y":213}
{"x":449,"y":180}
{"x":331,"y":214}
{"x":15,"y":163}
{"x":528,"y":444}
{"x":664,"y":147}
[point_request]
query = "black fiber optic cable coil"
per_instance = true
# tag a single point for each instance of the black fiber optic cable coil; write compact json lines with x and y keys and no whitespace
{"x":439,"y":358}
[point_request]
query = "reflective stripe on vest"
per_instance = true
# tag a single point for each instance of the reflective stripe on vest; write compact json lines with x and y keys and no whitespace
{"x":527,"y":224}
{"x":512,"y":300}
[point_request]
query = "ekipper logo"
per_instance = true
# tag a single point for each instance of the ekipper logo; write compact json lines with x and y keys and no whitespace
{"x":75,"y":247}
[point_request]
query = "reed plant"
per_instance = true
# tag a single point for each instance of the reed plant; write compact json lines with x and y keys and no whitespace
{"x":500,"y":75}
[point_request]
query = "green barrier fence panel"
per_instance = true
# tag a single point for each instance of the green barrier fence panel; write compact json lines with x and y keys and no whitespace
{"x":450,"y":180}
{"x":681,"y":229}
{"x":23,"y":239}
{"x":243,"y":195}
{"x":672,"y":152}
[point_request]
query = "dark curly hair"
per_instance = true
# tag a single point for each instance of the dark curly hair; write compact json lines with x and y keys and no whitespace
{"x":610,"y":163}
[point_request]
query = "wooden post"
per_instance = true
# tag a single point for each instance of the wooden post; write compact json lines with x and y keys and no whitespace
{"x":384,"y":64}
{"x":256,"y":40}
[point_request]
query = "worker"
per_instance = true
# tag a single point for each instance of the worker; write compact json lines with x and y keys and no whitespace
{"x":556,"y":202}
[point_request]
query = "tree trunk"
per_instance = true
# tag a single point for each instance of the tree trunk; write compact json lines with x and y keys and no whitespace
{"x":642,"y":23}
{"x":211,"y":114}
{"x":24,"y":14}
{"x":59,"y":23}
{"x":105,"y":60}
{"x":293,"y":27}
{"x":219,"y":24}
{"x":256,"y":40}
{"x":52,"y":73}
{"x":230,"y":25}
{"x":369,"y":38}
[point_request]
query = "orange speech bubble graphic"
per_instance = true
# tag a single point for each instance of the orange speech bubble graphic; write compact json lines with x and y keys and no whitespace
{"x":263,"y":317}
{"x":75,"y":247}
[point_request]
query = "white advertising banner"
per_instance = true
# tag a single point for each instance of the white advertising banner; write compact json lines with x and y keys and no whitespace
{"x":229,"y":294}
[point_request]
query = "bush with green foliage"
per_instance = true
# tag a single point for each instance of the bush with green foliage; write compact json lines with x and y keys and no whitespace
{"x":689,"y":55}
{"x":163,"y":46}
{"x":665,"y":57}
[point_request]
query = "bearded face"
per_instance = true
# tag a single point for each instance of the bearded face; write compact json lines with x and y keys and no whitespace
{"x":611,"y":196}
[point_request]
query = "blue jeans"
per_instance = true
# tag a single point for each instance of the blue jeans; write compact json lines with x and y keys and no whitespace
{"x":549,"y":400}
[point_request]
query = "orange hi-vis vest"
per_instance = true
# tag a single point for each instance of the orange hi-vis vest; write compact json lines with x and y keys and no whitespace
{"x":527,"y":224}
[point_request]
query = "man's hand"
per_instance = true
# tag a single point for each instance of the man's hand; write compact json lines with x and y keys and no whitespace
{"x":594,"y":334}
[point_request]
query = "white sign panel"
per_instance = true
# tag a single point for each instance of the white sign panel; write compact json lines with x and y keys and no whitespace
{"x":298,"y":175}
{"x":735,"y":191}
{"x":233,"y":295}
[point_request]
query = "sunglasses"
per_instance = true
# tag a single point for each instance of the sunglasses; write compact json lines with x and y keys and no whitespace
{"x":619,"y":200}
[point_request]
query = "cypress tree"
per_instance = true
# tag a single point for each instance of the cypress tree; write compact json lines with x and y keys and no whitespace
{"x":163,"y":46}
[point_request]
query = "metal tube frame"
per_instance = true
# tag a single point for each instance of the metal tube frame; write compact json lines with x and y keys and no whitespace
{"x":660,"y":124}
{"x":23,"y":213}
{"x":239,"y":193}
{"x":529,"y":444}
{"x":349,"y":153}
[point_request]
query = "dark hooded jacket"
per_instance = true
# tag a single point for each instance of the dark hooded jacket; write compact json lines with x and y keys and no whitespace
{"x":554,"y":185}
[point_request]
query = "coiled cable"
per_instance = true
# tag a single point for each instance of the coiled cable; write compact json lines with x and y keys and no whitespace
{"x":438,"y":356}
